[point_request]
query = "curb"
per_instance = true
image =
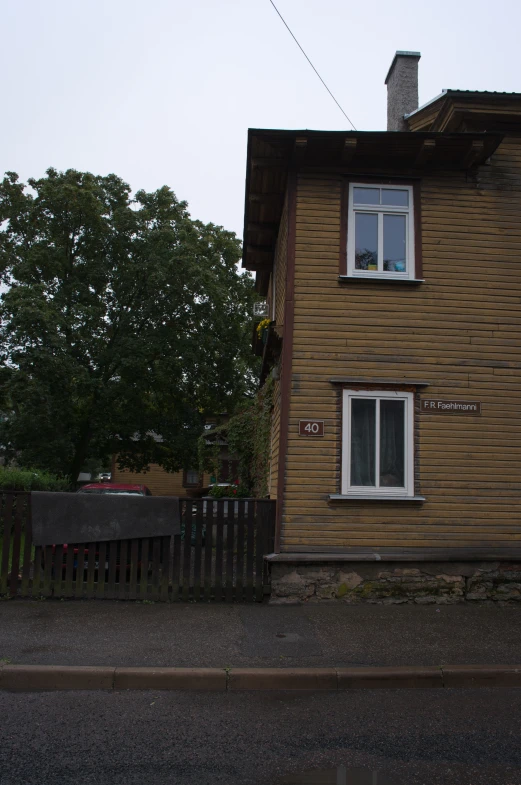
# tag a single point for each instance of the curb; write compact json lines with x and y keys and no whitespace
{"x":33,"y":678}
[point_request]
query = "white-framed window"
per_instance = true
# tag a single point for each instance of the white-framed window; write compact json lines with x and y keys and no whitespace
{"x":377,"y":443}
{"x":191,"y":477}
{"x":380,"y":231}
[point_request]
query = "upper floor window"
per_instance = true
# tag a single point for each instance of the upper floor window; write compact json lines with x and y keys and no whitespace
{"x":380,"y":231}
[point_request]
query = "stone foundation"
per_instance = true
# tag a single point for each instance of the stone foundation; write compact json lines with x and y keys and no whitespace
{"x":391,"y":583}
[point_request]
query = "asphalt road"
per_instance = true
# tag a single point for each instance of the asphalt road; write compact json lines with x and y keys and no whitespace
{"x":410,"y":737}
{"x":213,"y":635}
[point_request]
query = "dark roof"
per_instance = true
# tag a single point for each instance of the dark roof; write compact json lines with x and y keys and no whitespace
{"x":452,"y":93}
{"x":272,"y":153}
{"x":482,"y":92}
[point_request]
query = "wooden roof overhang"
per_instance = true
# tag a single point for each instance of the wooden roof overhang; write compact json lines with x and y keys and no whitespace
{"x":469,"y":110}
{"x":272,"y":153}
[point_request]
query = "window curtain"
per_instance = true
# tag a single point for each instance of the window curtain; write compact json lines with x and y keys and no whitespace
{"x":363,"y":425}
{"x":392,"y":444}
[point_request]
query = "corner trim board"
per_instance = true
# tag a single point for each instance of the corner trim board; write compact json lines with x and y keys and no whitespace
{"x":287,"y":354}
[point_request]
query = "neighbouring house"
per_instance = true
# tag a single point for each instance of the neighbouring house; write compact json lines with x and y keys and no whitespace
{"x":162,"y":483}
{"x":391,"y":266}
{"x":186,"y":483}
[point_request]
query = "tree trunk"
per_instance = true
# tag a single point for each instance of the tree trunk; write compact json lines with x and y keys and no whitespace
{"x":81,"y":450}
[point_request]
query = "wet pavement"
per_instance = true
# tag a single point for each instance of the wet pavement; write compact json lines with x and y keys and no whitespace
{"x":113,"y":633}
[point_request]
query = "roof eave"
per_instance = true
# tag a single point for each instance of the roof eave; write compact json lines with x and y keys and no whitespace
{"x":274,"y":152}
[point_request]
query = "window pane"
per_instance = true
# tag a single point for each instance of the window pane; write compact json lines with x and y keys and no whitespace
{"x":366,"y":241}
{"x":392,"y":444}
{"x":394,"y":196}
{"x":192,"y":477}
{"x":363,"y":428}
{"x":395,"y":243}
{"x":366,"y":195}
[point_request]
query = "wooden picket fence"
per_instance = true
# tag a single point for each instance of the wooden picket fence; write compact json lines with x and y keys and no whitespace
{"x":218,"y":556}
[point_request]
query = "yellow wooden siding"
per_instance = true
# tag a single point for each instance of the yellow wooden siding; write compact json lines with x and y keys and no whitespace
{"x":280,"y":267}
{"x":269,"y":298}
{"x":274,"y":444}
{"x":281,"y":252}
{"x":460,"y":331}
{"x":422,"y":121}
{"x":160,"y":482}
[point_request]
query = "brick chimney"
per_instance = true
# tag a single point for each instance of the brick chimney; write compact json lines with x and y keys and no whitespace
{"x":402,"y":89}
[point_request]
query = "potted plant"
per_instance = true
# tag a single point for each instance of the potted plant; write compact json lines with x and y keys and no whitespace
{"x":263,"y":330}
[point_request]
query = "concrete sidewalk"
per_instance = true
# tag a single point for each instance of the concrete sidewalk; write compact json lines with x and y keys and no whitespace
{"x":117,"y":634}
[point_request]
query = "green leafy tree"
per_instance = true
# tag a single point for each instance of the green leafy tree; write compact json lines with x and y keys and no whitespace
{"x":247,"y":435}
{"x":122,"y":319}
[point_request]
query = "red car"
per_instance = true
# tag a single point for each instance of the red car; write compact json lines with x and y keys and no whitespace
{"x":123,"y":488}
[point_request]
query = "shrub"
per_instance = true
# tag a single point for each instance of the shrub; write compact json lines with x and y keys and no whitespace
{"x":13,"y":479}
{"x":229,"y":491}
{"x":248,"y":436}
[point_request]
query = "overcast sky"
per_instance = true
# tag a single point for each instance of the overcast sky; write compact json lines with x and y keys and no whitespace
{"x":163,"y":91}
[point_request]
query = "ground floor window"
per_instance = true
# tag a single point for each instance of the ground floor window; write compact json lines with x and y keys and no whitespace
{"x":191,"y":478}
{"x":377,"y":443}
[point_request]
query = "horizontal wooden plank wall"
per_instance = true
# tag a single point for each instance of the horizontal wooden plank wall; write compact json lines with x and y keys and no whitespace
{"x":422,"y":121}
{"x":277,"y":285}
{"x":160,"y":482}
{"x":280,"y":267}
{"x":460,"y":330}
{"x":280,"y":298}
{"x":275,"y":439}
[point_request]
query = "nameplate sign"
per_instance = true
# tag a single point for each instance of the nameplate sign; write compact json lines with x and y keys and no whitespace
{"x":311,"y":428}
{"x":450,"y":407}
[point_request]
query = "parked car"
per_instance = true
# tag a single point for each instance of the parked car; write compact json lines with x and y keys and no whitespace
{"x":125,"y":489}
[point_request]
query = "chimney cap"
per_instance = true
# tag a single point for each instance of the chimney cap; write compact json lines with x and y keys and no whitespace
{"x":400,"y":53}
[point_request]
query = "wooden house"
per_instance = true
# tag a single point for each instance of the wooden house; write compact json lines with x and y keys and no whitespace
{"x":189,"y":482}
{"x":391,"y":265}
{"x":160,"y":482}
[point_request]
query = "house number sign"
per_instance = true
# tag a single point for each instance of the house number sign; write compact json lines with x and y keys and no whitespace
{"x":451,"y":407}
{"x":311,"y":428}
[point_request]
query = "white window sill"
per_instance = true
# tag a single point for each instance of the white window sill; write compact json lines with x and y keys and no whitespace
{"x":378,"y":279}
{"x":373,"y":497}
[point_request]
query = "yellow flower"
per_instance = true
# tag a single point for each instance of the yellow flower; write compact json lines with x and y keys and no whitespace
{"x":262,"y":325}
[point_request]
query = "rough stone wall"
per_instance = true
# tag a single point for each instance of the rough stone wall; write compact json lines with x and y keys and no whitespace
{"x":423,"y":583}
{"x":402,"y":92}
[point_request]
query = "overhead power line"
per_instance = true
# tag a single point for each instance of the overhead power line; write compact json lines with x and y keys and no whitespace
{"x":311,"y":64}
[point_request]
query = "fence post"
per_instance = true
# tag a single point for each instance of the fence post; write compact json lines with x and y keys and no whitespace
{"x":175,"y":556}
{"x":7,"y":520}
{"x":17,"y":547}
{"x":28,"y":549}
{"x":265,"y":520}
{"x":187,"y":549}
